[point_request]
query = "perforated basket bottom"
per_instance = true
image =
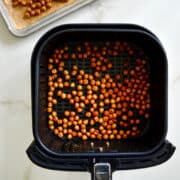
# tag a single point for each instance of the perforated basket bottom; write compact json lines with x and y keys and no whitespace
{"x":125,"y":59}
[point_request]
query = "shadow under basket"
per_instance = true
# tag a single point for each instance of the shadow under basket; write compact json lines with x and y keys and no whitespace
{"x":101,"y":157}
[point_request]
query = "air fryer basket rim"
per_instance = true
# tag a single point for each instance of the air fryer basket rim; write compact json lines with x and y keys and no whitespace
{"x":35,"y":69}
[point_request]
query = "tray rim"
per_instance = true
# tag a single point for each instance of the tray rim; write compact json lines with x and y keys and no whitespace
{"x":43,"y":21}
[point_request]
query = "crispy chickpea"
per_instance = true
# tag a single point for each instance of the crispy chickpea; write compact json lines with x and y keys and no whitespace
{"x":69,"y":136}
{"x":60,"y":135}
{"x":86,"y":101}
{"x":101,"y":104}
{"x":66,"y":84}
{"x":84,"y":137}
{"x":93,"y":136}
{"x":114,"y":126}
{"x":60,"y":128}
{"x":92,"y":122}
{"x":71,"y":101}
{"x":49,"y":110}
{"x":147,"y":115}
{"x":69,"y":96}
{"x":74,"y":93}
{"x":54,"y":101}
{"x":88,"y":114}
{"x":121,"y":132}
{"x":130,"y":113}
{"x":79,"y":110}
{"x":82,"y":98}
{"x":76,"y":99}
{"x":101,"y":110}
{"x":137,"y":121}
{"x":105,"y":136}
{"x":95,"y":88}
{"x":134,"y":128}
{"x":111,"y":136}
{"x":67,"y":113}
{"x":85,"y":81}
{"x":63,"y":96}
{"x":97,"y":74}
{"x":103,"y":68}
{"x":65,"y":131}
{"x":109,"y":65}
{"x":118,"y":136}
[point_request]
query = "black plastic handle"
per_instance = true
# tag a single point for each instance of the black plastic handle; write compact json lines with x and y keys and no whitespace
{"x":75,"y":163}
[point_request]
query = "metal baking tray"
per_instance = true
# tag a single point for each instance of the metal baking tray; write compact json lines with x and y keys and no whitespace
{"x":41,"y":21}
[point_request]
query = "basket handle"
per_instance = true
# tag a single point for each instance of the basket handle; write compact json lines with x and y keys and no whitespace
{"x":101,"y":171}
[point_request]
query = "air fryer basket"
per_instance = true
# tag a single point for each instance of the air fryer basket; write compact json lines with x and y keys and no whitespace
{"x":149,"y":149}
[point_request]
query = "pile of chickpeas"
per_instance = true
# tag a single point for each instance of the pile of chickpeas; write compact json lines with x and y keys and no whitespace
{"x":35,"y":7}
{"x":102,"y":104}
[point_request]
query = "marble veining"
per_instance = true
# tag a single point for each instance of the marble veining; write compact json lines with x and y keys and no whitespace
{"x":162,"y":17}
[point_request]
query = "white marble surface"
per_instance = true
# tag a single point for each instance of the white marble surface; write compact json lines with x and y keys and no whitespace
{"x":160,"y":16}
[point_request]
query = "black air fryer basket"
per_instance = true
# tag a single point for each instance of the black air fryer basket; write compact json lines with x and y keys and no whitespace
{"x":100,"y":157}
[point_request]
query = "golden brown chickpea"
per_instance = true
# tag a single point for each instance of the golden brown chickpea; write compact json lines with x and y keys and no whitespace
{"x":69,"y":96}
{"x":85,"y":122}
{"x":63,"y":96}
{"x":54,"y":101}
{"x":70,"y":123}
{"x":111,"y":136}
{"x":114,"y":126}
{"x":79,"y":110}
{"x":66,"y":84}
{"x":49,"y":110}
{"x":97,"y":74}
{"x":76,"y":99}
{"x":132,"y":121}
{"x":60,"y":135}
{"x":69,"y":136}
{"x":89,"y":92}
{"x":76,"y":105}
{"x":75,"y":123}
{"x":74,"y":134}
{"x":101,"y":110}
{"x":134,"y":128}
{"x":130,"y":113}
{"x":147,"y":115}
{"x":74,"y":93}
{"x":121,"y":132}
{"x":86,"y":81}
{"x":60,"y":128}
{"x":88,"y":114}
{"x":105,"y":136}
{"x":92,"y":122}
{"x":109,"y":65}
{"x":79,"y":134}
{"x":86,"y":101}
{"x":82,"y":105}
{"x":101,"y":104}
{"x":82,"y":98}
{"x":83,"y":131}
{"x":84,"y":137}
{"x":67,"y":113}
{"x":65,"y":131}
{"x":71,"y":101}
{"x":128,"y":132}
{"x":95,"y":88}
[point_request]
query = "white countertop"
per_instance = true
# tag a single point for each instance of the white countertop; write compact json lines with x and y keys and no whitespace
{"x":162,"y":17}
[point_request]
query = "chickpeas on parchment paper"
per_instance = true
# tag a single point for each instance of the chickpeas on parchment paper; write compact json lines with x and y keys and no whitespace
{"x":35,"y":7}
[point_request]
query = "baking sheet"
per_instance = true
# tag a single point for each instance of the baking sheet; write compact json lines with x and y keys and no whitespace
{"x":19,"y":26}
